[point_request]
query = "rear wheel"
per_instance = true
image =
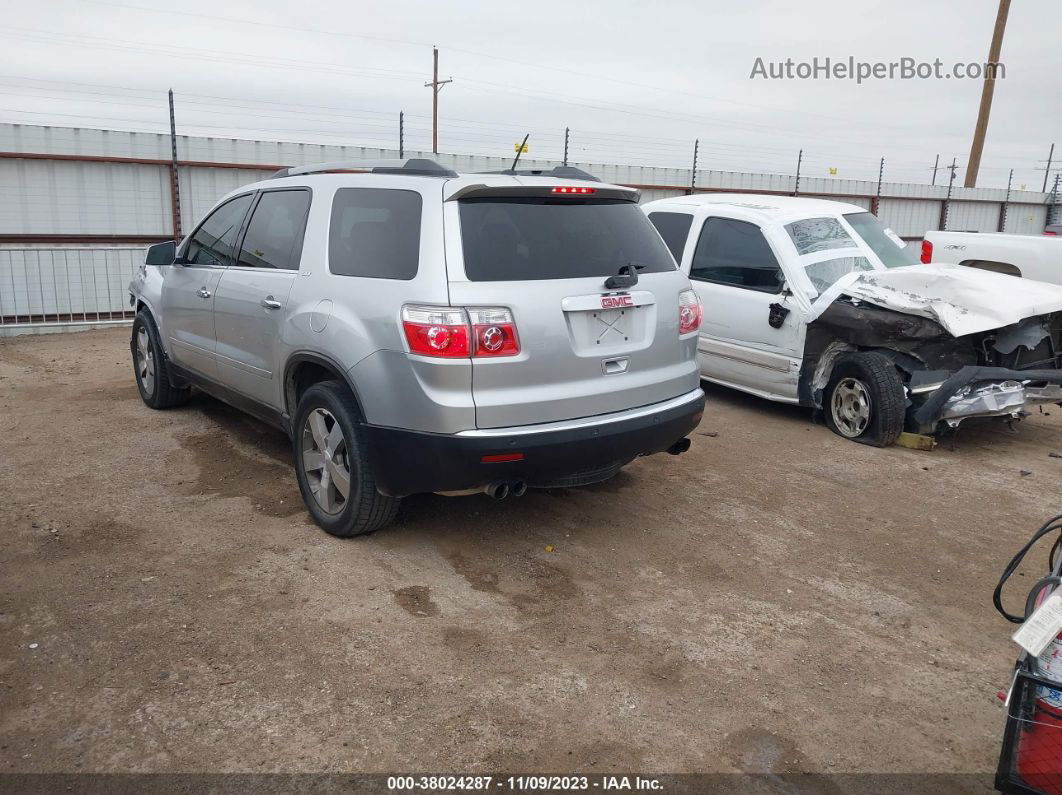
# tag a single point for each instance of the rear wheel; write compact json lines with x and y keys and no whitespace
{"x":150,"y":368}
{"x":332,"y":464}
{"x":864,"y":399}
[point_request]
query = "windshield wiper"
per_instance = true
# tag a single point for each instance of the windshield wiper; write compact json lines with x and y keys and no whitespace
{"x":626,"y":278}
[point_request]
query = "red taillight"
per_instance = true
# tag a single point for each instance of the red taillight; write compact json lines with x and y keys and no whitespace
{"x":1049,"y":232}
{"x":583,"y":191}
{"x":458,"y":332}
{"x":689,"y":312}
{"x":927,"y":252}
{"x":493,"y":332}
{"x":436,"y":331}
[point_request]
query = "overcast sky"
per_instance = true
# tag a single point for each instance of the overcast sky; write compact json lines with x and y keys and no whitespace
{"x":636,"y":82}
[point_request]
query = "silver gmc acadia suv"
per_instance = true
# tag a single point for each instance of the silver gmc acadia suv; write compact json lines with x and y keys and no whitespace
{"x":416,"y":330}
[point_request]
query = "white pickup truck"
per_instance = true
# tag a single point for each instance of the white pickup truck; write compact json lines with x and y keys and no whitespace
{"x":1030,"y":256}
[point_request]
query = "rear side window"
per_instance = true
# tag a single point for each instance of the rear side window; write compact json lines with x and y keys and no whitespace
{"x":274,"y":233}
{"x":735,"y":253}
{"x":375,"y":232}
{"x":674,"y":228}
{"x":214,"y":242}
{"x":526,"y":239}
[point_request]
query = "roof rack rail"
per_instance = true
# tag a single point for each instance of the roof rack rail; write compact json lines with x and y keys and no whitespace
{"x":562,"y":172}
{"x":411,"y":166}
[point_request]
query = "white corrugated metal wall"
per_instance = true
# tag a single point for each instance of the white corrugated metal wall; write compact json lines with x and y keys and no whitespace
{"x":71,"y":189}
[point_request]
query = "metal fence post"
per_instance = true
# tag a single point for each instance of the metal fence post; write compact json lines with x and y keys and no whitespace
{"x":693,"y":171}
{"x":877,"y":196}
{"x":1002,"y":226}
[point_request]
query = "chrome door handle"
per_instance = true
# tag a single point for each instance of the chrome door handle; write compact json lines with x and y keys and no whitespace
{"x":269,"y":303}
{"x":203,"y":292}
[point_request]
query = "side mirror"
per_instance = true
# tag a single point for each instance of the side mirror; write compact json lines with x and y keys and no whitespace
{"x":161,"y":253}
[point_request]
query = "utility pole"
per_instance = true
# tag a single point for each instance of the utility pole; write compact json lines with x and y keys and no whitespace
{"x":1050,"y":156}
{"x":1005,"y":207}
{"x":565,"y":161}
{"x":436,"y":86}
{"x":936,"y":165}
{"x":401,"y":134}
{"x":693,"y":171}
{"x":800,"y":158}
{"x":175,"y":184}
{"x":986,"y":94}
{"x":946,"y":209}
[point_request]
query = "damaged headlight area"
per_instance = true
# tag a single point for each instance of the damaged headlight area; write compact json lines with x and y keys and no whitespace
{"x":991,"y":400}
{"x":987,"y":392}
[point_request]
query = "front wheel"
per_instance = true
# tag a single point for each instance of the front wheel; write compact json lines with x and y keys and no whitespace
{"x":150,"y":368}
{"x":332,"y":464}
{"x":864,"y":399}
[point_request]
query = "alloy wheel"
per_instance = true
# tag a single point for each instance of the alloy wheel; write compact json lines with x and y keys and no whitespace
{"x":851,"y":407}
{"x":325,"y":461}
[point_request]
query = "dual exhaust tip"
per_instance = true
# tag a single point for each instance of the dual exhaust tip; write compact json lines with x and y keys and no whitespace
{"x":501,"y":489}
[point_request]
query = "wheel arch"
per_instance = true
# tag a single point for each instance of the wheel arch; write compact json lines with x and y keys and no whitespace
{"x":993,"y":266}
{"x":305,"y":368}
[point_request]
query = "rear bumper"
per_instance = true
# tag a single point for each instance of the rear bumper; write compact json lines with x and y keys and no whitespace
{"x":410,"y":462}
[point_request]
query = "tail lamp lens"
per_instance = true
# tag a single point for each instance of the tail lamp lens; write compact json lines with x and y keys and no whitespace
{"x":689,"y":312}
{"x":458,"y":332}
{"x":574,"y":190}
{"x":927,"y":251}
{"x":436,"y":331}
{"x":493,"y":332}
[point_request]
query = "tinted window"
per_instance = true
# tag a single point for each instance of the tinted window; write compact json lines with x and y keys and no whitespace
{"x":737,"y":253}
{"x":214,"y":242}
{"x":889,"y":247}
{"x":539,"y":238}
{"x":274,"y":233}
{"x":375,"y":232}
{"x":674,"y":228}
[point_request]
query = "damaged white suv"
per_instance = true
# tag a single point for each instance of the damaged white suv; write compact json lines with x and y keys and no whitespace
{"x":816,"y":303}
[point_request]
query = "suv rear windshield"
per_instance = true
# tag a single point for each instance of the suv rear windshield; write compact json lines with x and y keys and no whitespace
{"x":524,"y":239}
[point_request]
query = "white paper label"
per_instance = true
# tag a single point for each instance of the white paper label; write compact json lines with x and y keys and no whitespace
{"x":1041,"y":627}
{"x":895,"y":238}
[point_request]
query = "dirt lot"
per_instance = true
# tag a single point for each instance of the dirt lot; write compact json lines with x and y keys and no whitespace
{"x":776,"y":600}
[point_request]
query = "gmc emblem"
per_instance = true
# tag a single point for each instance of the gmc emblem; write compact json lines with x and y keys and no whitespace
{"x":616,"y":301}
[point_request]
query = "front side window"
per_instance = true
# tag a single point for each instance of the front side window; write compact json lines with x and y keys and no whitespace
{"x":824,"y":273}
{"x":275,"y":231}
{"x":674,"y":228}
{"x":889,"y":246}
{"x":375,"y":232}
{"x":736,"y":253}
{"x":214,"y":242}
{"x":524,"y":239}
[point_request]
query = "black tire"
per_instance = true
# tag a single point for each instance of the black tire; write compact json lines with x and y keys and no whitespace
{"x":865,"y":375}
{"x":363,"y":509}
{"x":156,"y":389}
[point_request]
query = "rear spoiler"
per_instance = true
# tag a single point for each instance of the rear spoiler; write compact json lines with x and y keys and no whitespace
{"x":484,"y":191}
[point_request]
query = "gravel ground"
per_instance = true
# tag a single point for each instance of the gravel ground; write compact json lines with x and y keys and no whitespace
{"x":776,"y":600}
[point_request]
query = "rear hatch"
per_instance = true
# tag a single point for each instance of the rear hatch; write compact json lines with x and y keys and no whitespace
{"x":584,"y":349}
